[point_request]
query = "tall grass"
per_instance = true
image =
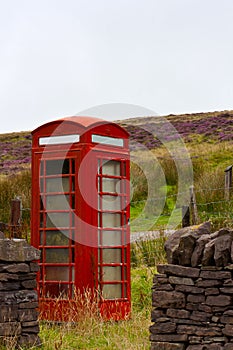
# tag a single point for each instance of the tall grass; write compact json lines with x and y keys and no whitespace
{"x":211,"y":202}
{"x":209,"y":160}
{"x":92,"y":332}
{"x":13,"y":186}
{"x":96,"y":334}
{"x":148,"y":252}
{"x":139,"y":186}
{"x":209,"y":178}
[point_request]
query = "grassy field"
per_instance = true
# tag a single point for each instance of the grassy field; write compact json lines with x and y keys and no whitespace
{"x":93,"y":333}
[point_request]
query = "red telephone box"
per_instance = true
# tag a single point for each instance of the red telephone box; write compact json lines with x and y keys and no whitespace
{"x":80,"y":215}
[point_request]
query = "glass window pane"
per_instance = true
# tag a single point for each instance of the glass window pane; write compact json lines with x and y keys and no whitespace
{"x":111,"y":273}
{"x":57,"y":220}
{"x":125,"y":290}
{"x":58,"y":184}
{"x":57,"y":273}
{"x":111,"y":256}
{"x":41,"y":185}
{"x":111,"y":167}
{"x":57,"y":202}
{"x":73,"y":219}
{"x":41,"y":237}
{"x":110,"y":202}
{"x":41,"y":167}
{"x":124,"y":242}
{"x":41,"y":203}
{"x":58,"y":290}
{"x":41,"y":220}
{"x":110,"y":185}
{"x":57,"y":255}
{"x":58,"y":140}
{"x":107,"y":140}
{"x":111,"y":220}
{"x":73,"y":183}
{"x":125,"y":255}
{"x":56,"y":238}
{"x":73,"y":201}
{"x":73,"y":166}
{"x":110,"y":238}
{"x":57,"y":166}
{"x":111,"y":291}
{"x":123,"y":186}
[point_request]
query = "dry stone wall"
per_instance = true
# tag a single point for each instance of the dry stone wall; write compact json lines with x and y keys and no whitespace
{"x":193,"y":300}
{"x":18,"y":298}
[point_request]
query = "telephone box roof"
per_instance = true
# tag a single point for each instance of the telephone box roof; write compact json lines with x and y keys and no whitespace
{"x":83,"y":121}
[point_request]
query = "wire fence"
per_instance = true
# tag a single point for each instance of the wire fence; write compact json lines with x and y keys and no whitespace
{"x":162,"y":212}
{"x":211,"y":205}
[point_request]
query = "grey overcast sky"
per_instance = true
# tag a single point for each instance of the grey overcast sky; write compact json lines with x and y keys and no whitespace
{"x":59,"y":57}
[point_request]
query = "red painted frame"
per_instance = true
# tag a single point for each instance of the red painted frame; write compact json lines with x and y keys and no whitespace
{"x":84,"y":249}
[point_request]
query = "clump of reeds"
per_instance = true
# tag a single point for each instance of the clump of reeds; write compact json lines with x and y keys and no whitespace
{"x":148,"y":252}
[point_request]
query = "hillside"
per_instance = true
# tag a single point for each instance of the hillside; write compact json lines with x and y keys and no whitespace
{"x":212,"y":127}
{"x":15,"y":152}
{"x":201,"y":127}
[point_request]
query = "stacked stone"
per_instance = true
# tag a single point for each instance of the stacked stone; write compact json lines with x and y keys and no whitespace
{"x":18,"y":297}
{"x":192,"y":308}
{"x":193,"y":294}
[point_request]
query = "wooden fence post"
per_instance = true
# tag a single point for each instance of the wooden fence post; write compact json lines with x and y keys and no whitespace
{"x":193,"y":205}
{"x":228,"y":182}
{"x":185,"y":216}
